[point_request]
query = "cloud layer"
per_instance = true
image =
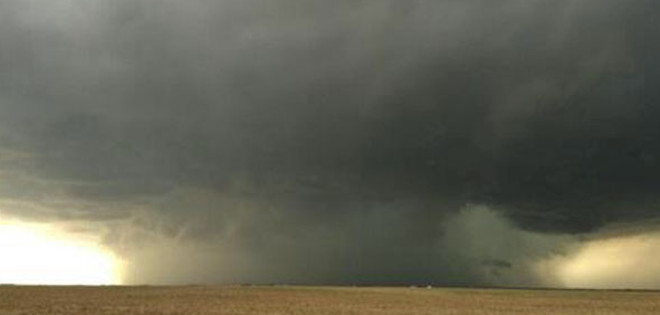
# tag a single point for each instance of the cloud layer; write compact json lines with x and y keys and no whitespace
{"x":305,"y":141}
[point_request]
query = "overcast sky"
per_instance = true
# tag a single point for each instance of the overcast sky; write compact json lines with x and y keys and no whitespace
{"x":368,"y":142}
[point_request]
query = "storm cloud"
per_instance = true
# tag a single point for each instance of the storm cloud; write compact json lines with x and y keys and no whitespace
{"x":331,"y":142}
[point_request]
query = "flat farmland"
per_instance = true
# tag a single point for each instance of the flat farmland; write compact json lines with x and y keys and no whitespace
{"x":248,"y":300}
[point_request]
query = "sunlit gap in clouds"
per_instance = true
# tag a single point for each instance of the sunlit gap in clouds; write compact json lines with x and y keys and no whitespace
{"x":503,"y":254}
{"x":625,"y":262}
{"x":43,"y":254}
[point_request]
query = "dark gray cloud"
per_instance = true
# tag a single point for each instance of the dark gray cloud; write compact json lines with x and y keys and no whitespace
{"x":328,"y":142}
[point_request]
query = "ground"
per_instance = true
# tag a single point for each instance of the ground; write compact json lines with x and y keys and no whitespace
{"x":244,"y":300}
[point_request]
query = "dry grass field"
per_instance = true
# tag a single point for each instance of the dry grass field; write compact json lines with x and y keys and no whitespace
{"x":249,"y":300}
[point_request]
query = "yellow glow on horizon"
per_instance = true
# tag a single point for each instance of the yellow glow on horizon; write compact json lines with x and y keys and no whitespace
{"x":38,"y":254}
{"x":618,"y":263}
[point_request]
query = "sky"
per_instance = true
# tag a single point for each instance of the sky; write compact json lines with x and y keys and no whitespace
{"x":472,"y":142}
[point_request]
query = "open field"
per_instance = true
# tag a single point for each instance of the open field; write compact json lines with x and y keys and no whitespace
{"x":244,"y":300}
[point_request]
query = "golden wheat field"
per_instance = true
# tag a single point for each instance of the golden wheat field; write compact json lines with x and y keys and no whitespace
{"x":249,"y":300}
